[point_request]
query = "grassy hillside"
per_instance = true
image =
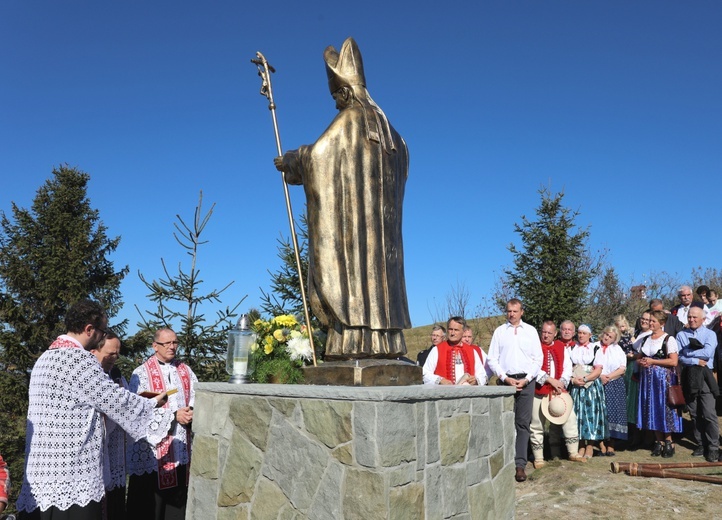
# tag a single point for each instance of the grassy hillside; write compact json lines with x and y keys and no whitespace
{"x":419,"y":338}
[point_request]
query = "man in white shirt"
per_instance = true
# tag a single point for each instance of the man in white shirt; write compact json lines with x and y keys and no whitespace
{"x":454,"y":362}
{"x":553,"y":379}
{"x":715,"y":309}
{"x":686,"y":302}
{"x":468,"y":339}
{"x":567,"y":330}
{"x":515,"y":356}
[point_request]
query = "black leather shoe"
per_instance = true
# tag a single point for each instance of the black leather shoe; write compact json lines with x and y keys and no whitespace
{"x":698,"y":451}
{"x":658,"y":448}
{"x":712,"y":455}
{"x":668,"y":450}
{"x":520,"y":475}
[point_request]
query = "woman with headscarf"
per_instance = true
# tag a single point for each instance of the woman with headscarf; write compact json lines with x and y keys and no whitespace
{"x":657,"y":357}
{"x":587,"y":392}
{"x":614,"y":364}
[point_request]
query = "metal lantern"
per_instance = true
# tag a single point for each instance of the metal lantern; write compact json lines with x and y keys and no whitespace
{"x":240,"y":340}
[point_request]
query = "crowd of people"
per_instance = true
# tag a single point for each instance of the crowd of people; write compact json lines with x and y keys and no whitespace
{"x":631,"y":384}
{"x":89,"y":431}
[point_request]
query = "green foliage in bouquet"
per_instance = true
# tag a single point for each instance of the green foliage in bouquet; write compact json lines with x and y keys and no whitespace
{"x":282,"y":348}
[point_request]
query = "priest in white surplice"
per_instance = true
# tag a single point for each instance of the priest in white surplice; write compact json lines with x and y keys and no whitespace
{"x":69,"y":397}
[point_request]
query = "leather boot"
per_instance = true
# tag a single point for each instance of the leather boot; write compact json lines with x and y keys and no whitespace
{"x":658,"y":449}
{"x":668,"y":451}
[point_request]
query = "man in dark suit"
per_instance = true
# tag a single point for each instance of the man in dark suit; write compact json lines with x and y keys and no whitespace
{"x":438,"y":334}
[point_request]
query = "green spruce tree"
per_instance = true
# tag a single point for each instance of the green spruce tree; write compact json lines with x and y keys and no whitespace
{"x":285,"y":294}
{"x":51,"y":255}
{"x":552,"y":266}
{"x":606,"y":300}
{"x":178,"y":301}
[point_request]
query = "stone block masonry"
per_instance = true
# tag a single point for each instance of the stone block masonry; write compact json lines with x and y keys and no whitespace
{"x":297,"y":452}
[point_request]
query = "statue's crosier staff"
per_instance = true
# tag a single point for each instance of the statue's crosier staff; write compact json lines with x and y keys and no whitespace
{"x":264,"y":71}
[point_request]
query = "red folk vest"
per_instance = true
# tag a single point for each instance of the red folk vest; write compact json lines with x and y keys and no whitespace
{"x":445,"y":364}
{"x":556,"y":352}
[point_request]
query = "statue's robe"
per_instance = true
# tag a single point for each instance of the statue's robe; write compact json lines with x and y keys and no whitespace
{"x":354,"y":190}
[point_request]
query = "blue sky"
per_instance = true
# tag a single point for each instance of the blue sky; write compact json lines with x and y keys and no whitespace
{"x":617,"y":103}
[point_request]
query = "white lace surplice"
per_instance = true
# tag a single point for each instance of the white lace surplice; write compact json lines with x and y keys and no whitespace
{"x":69,"y":393}
{"x":115,"y":446}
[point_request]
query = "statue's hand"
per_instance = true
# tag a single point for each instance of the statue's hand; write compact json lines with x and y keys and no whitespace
{"x":278,"y":161}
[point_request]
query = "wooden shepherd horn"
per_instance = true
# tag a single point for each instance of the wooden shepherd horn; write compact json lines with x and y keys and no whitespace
{"x":665,"y":473}
{"x":620,"y":467}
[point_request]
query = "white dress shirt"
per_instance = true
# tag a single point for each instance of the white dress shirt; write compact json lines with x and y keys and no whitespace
{"x":683,"y":311}
{"x":515,"y":350}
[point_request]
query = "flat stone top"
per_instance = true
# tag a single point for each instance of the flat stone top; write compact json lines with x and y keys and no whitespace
{"x":358,"y":393}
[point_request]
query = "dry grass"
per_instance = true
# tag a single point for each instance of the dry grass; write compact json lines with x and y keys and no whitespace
{"x":568,"y":489}
{"x":419,"y":338}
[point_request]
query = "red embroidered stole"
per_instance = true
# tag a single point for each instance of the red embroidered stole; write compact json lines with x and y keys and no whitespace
{"x":445,"y":366}
{"x":167,"y":475}
{"x":62,"y":342}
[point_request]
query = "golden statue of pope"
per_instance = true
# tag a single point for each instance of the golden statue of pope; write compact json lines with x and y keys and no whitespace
{"x":354,"y":177}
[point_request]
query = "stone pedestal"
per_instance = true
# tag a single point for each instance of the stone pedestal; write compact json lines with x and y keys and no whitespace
{"x":364,"y":372}
{"x":332,"y":452}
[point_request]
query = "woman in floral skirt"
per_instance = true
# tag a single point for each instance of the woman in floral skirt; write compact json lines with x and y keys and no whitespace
{"x":614,"y":364}
{"x":588,"y":393}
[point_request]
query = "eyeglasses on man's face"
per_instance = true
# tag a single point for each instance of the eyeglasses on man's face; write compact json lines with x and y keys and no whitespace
{"x":166,"y":344}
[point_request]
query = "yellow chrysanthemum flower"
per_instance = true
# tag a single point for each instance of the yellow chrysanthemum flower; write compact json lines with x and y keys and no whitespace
{"x":268,"y":348}
{"x":285,"y":320}
{"x":261,"y":326}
